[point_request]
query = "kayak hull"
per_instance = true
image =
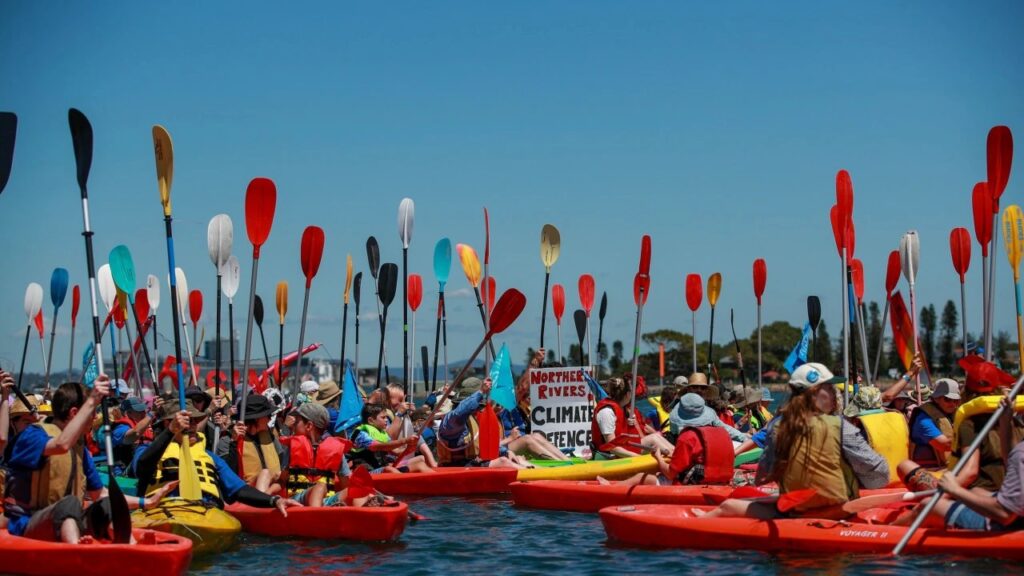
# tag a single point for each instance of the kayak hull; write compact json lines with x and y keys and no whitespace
{"x":155,"y":554}
{"x":375,"y":524}
{"x":665,"y":526}
{"x":589,"y":496}
{"x":210,"y":529}
{"x":610,"y":469}
{"x":447,"y":482}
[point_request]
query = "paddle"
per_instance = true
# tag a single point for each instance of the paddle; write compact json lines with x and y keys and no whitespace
{"x":387,"y":279}
{"x":471,"y":266}
{"x":38,"y":321}
{"x":909,"y":256}
{"x":760,"y":279}
{"x":960,"y":250}
{"x":153,"y":297}
{"x":813,"y":318}
{"x":981,"y":205}
{"x":999,"y":158}
{"x":602,"y":310}
{"x":232,"y":278}
{"x":694,"y":296}
{"x":184,"y":304}
{"x":714,"y":290}
{"x":220,"y":236}
{"x":586,"y":288}
{"x":81,"y":139}
{"x":1013,"y":239}
{"x":550,"y":248}
{"x":33,"y":304}
{"x":892,"y":276}
{"x":406,"y":212}
{"x":281,"y":300}
{"x":108,"y":293}
{"x":641,"y":289}
{"x":344,"y":314}
{"x":558,"y":308}
{"x":487,"y":286}
{"x":878,"y":500}
{"x":373,"y":258}
{"x":857,"y":275}
{"x":76,"y":300}
{"x":580,"y":316}
{"x":442,"y":268}
{"x":357,"y":281}
{"x":260,"y":205}
{"x":739,"y":354}
{"x":195,"y":309}
{"x":964,"y":459}
{"x":122,"y":269}
{"x":311,"y":253}
{"x":58,"y":292}
{"x":842,"y":225}
{"x":414,"y":292}
{"x":8,"y":133}
{"x":425,"y":362}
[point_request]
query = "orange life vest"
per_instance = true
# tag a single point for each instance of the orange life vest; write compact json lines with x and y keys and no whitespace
{"x":308,"y":464}
{"x":625,"y":437}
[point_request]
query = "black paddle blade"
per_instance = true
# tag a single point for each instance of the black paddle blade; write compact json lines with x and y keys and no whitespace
{"x":426,"y":364}
{"x":813,"y":311}
{"x":387,"y":281}
{"x":604,"y":306}
{"x":373,"y":256}
{"x":257,"y":310}
{"x":356,"y":282}
{"x":8,"y":131}
{"x":508,"y":308}
{"x":581,"y":325}
{"x":120,"y":517}
{"x":81,"y":138}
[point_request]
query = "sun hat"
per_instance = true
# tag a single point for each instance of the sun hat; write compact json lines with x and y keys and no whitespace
{"x":309,"y":387}
{"x":867,"y":398}
{"x":946,"y":388}
{"x":257,"y":406}
{"x":19,"y":407}
{"x":315,"y":414}
{"x":693,"y":412}
{"x":468,"y":386}
{"x":811,"y":374}
{"x":171,"y":407}
{"x":697,"y":379}
{"x":751,"y":396}
{"x":196,"y":393}
{"x":122,"y":387}
{"x":327,"y":392}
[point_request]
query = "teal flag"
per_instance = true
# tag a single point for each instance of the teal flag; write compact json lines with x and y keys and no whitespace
{"x":503,"y":388}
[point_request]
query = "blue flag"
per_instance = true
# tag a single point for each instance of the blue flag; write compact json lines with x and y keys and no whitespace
{"x":351,"y":402}
{"x":799,"y":354}
{"x":503,"y":389}
{"x":595,"y":388}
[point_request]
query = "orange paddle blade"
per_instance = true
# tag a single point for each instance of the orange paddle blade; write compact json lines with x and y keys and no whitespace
{"x":470,"y":263}
{"x":893,"y":270}
{"x":282,"y":299}
{"x":360,"y":484}
{"x":857,"y":273}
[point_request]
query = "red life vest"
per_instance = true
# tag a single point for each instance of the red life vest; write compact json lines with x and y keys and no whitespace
{"x":717,"y":454}
{"x":625,"y":437}
{"x":308,"y":465}
{"x":147,"y":434}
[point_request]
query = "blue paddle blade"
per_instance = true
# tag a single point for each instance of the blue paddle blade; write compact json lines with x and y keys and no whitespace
{"x":123,"y":270}
{"x":442,"y":260}
{"x":58,"y":286}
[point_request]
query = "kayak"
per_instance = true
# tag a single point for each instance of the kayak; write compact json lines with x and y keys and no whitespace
{"x":378,"y":523}
{"x":544,"y":463}
{"x":129,"y":486}
{"x":153,"y":554}
{"x":446,"y":482}
{"x":610,"y":469}
{"x":748,"y":457}
{"x":208,"y":527}
{"x":666,"y":526}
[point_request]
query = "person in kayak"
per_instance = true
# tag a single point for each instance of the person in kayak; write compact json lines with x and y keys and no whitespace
{"x":931,"y":435}
{"x":616,"y":435}
{"x":458,"y":436}
{"x":130,"y":433}
{"x":810,"y":448}
{"x":158,"y":465}
{"x":262,"y":453}
{"x":372,"y":447}
{"x":400,"y":424}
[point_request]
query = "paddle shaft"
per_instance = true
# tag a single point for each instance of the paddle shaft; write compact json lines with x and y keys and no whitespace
{"x":544,"y":306}
{"x":114,"y":349}
{"x":302,"y":336}
{"x":984,"y":304}
{"x":862,"y":333}
{"x":134,"y":357}
{"x":981,"y":436}
{"x":881,"y":336}
{"x":263,"y":341}
{"x":145,"y":349}
{"x":991,"y":285}
{"x":759,"y":369}
{"x":71,"y":352}
{"x":483,"y":318}
{"x":355,"y":362}
{"x":280,"y":356}
{"x":24,"y":353}
{"x":913,"y":324}
{"x":380,"y":353}
{"x":247,"y":356}
{"x":846,"y":323}
{"x":405,"y":318}
{"x":53,"y":334}
{"x":437,"y":339}
{"x":963,"y":314}
{"x":711,"y":338}
{"x":216,"y":360}
{"x":600,"y":335}
{"x":344,"y":330}
{"x":191,"y":359}
{"x":694,"y":332}
{"x":636,"y":354}
{"x":590,"y":349}
{"x":1020,"y":324}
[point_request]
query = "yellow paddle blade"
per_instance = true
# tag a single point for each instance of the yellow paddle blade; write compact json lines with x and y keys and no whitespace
{"x":348,"y":276}
{"x":550,"y":245}
{"x":164,"y":152}
{"x":470,"y":263}
{"x":1013,"y":236}
{"x":282,"y":299}
{"x":189,"y":479}
{"x":714,"y":288}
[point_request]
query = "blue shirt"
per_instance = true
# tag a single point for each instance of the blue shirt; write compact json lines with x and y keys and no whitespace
{"x":454,"y":424}
{"x":922,"y":431}
{"x":513,"y":419}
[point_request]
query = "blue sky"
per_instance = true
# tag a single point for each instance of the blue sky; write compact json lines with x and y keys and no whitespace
{"x":717,"y":130}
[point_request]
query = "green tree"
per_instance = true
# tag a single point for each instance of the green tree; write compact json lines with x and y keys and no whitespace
{"x":927,"y":322}
{"x":822,"y":352}
{"x":1001,"y":346}
{"x":947,"y":337}
{"x":615,"y":362}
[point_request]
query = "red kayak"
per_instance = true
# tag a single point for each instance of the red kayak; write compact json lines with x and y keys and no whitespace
{"x":153,"y":554}
{"x":447,"y":482}
{"x":589,"y":496}
{"x":666,"y":526}
{"x":378,"y":523}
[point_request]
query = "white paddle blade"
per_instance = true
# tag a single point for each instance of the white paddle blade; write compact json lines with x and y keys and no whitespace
{"x":406,"y":212}
{"x":232,"y":275}
{"x":108,"y":291}
{"x":182,"y":286}
{"x":219,"y":238}
{"x":153,"y":292}
{"x":33,"y":301}
{"x":909,"y":255}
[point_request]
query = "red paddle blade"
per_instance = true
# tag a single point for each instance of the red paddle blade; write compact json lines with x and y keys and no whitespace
{"x":833,"y":216}
{"x":195,"y":306}
{"x":311,"y":251}
{"x":1000,"y":158}
{"x":844,"y":194}
{"x":558,"y":302}
{"x":118,"y":314}
{"x":39,"y":322}
{"x":76,"y":301}
{"x":857,"y":273}
{"x":645,"y":255}
{"x":490,"y":291}
{"x":892,"y":272}
{"x":260,"y":203}
{"x":487,"y":238}
{"x":641,"y":289}
{"x":415,"y":291}
{"x":586,"y":286}
{"x":960,"y":248}
{"x":508,"y":308}
{"x":760,"y":278}
{"x":489,"y":435}
{"x":360,"y":484}
{"x":902,"y":330}
{"x":694,"y":291}
{"x":981,"y":203}
{"x":141,"y":304}
{"x":851,"y":240}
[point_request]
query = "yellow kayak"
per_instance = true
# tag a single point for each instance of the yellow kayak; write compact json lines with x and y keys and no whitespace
{"x":610,"y":469}
{"x":210,"y":528}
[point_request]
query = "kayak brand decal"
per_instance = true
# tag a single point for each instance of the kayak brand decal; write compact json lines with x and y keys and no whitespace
{"x":561,"y":406}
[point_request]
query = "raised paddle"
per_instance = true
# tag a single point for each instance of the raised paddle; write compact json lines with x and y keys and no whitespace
{"x":58,"y":292}
{"x":580,"y":317}
{"x":694,"y":296}
{"x":414,"y":292}
{"x":232,"y":279}
{"x":586,"y":288}
{"x":739,"y":354}
{"x":857,"y":275}
{"x":8,"y":133}
{"x":813,"y":318}
{"x":601,"y":311}
{"x":892,"y":277}
{"x":153,"y":297}
{"x":122,"y":269}
{"x":344,"y":314}
{"x":184,"y":305}
{"x":558,"y":309}
{"x":387,"y":280}
{"x":442,"y":268}
{"x":406,"y":213}
{"x":1013,"y":239}
{"x":841,"y":225}
{"x":76,"y":300}
{"x":999,"y":159}
{"x":909,"y":257}
{"x":981,"y":206}
{"x":38,"y":321}
{"x":550,"y":248}
{"x":281,"y":302}
{"x":357,"y":281}
{"x":373,"y":259}
{"x":260,"y":205}
{"x":760,"y":280}
{"x":641,"y":289}
{"x":195,"y":312}
{"x":487,"y":287}
{"x":311,"y":252}
{"x":471,"y":266}
{"x":425,"y":362}
{"x":714,"y":290}
{"x":258,"y":317}
{"x":220,"y":237}
{"x":960,"y":250}
{"x":81,"y":139}
{"x":33,"y":304}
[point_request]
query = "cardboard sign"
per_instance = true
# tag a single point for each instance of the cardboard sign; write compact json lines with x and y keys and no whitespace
{"x":561,"y":406}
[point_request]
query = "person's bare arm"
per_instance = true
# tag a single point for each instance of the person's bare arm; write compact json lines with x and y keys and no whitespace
{"x":82,"y":421}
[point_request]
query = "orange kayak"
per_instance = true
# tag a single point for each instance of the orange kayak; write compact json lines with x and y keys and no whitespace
{"x":447,"y":482}
{"x":379,"y":523}
{"x":153,"y":554}
{"x":590,"y":496}
{"x":666,"y":526}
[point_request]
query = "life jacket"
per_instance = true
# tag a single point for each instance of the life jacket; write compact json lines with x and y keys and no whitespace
{"x":717,"y":456}
{"x":124,"y":453}
{"x":662,"y":423}
{"x":206,"y":469}
{"x":369,"y":457}
{"x":928,"y":455}
{"x":625,"y":437}
{"x":991,"y":468}
{"x":759,"y":417}
{"x":975,"y":407}
{"x":259,"y":452}
{"x":467,"y":452}
{"x":309,"y":465}
{"x":887,"y":432}
{"x":61,"y":475}
{"x":816,"y":461}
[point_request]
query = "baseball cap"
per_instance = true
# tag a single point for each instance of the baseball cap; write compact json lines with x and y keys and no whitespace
{"x":811,"y":374}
